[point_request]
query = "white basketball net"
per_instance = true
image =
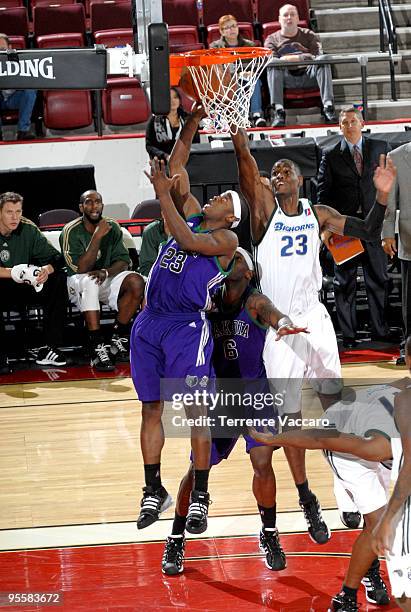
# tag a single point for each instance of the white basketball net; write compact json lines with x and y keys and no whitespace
{"x":226,"y":89}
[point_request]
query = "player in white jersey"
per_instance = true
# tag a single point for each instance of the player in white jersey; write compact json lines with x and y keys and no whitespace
{"x":392,"y":536}
{"x":286,"y":237}
{"x":359,"y":439}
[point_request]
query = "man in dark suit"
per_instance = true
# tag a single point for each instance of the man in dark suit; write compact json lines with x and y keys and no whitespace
{"x":345,"y":181}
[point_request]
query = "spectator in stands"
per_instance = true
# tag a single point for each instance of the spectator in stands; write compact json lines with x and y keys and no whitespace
{"x":345,"y":182}
{"x":155,"y":234}
{"x":231,"y":37}
{"x":30,"y":273}
{"x":22,"y":100}
{"x":163,"y":131}
{"x":98,"y":271}
{"x":291,"y":44}
{"x":400,"y":198}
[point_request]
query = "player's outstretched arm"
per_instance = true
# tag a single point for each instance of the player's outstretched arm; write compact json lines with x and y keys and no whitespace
{"x":370,"y":227}
{"x":259,"y":199}
{"x":375,"y":448}
{"x":261,"y":307}
{"x":221,"y":243}
{"x":184,"y":201}
{"x":384,"y":532}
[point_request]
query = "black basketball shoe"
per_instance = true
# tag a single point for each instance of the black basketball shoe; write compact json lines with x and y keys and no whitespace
{"x":351,"y":520}
{"x":270,"y":544}
{"x":317,"y":528}
{"x":375,"y":589}
{"x":154,"y":502}
{"x":173,"y":557}
{"x":343,"y":603}
{"x":197,"y":512}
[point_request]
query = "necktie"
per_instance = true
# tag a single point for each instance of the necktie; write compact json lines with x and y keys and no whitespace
{"x":358,"y":159}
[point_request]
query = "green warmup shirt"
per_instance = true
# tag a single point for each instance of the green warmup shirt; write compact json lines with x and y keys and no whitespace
{"x":153,"y":236}
{"x":27,"y":245}
{"x":75,"y":240}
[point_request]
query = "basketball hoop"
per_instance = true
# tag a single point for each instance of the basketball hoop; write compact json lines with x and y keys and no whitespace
{"x":223,"y":80}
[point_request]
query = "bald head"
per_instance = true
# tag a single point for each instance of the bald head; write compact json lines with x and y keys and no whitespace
{"x":288,"y":18}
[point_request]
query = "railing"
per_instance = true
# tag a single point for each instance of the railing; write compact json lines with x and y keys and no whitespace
{"x":388,"y":38}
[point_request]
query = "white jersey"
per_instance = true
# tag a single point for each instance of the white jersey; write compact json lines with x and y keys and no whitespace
{"x":288,"y":254}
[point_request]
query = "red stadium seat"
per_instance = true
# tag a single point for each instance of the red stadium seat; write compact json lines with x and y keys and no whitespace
{"x":59,"y":19}
{"x":114,"y":38}
{"x":58,"y":41}
{"x":147,"y":209}
{"x":302,"y":98}
{"x":267,"y":13}
{"x":14,"y":21}
{"x":88,"y":3}
{"x":110,"y":16}
{"x":66,"y":110}
{"x":180,"y":12}
{"x":17,"y":42}
{"x":242,"y":10}
{"x":10,"y":3}
{"x":183,"y":35}
{"x":57,"y":216}
{"x":124,"y":102}
{"x":49,"y":2}
{"x":184,"y":48}
{"x":246,"y":31}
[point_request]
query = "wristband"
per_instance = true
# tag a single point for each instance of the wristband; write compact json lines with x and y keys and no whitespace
{"x":106,"y":271}
{"x":284,"y":322}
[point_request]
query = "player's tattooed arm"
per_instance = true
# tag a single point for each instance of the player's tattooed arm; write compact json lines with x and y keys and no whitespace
{"x":262,"y":309}
{"x":383,"y":535}
{"x":370,"y":227}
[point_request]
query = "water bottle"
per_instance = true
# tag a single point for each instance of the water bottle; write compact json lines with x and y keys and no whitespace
{"x":199,"y":5}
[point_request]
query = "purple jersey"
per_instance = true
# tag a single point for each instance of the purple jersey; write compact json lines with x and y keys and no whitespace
{"x":182,"y":281}
{"x":238,"y":341}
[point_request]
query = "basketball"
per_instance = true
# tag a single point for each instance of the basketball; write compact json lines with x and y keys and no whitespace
{"x":188,"y":86}
{"x":212,"y":83}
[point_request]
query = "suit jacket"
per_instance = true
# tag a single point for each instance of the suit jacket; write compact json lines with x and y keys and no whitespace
{"x":400,"y":197}
{"x":340,"y":185}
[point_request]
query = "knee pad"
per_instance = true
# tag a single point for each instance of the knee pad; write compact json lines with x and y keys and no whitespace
{"x":88,"y":294}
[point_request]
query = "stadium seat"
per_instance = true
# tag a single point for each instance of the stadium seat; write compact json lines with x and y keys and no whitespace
{"x":147,"y":209}
{"x":56,"y":41}
{"x":124,"y":102}
{"x":34,"y":3}
{"x":180,"y":12}
{"x":246,"y":31}
{"x":14,"y":21}
{"x":59,"y":19}
{"x":88,"y":3}
{"x":302,"y":98}
{"x":183,"y":35}
{"x":110,"y":16}
{"x":17,"y":42}
{"x":241,"y":9}
{"x":114,"y":38}
{"x":57,"y":216}
{"x":10,"y":3}
{"x":68,"y":109}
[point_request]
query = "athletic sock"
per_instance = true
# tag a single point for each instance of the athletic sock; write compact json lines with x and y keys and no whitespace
{"x":179,"y":525}
{"x":201,"y":480}
{"x":268,"y":516}
{"x":152,"y":475}
{"x":351,"y":593}
{"x":304,"y":492}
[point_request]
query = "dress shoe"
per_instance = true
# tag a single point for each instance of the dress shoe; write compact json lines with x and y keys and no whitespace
{"x":329,"y":114}
{"x":25,"y":135}
{"x":279,"y":118}
{"x":349,"y":343}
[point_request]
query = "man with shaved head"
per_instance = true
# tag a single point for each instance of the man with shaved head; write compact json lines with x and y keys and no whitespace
{"x":292,"y":43}
{"x":98,"y":269}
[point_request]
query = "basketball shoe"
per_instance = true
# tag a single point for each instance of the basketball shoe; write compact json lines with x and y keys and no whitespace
{"x":154,"y":502}
{"x":351,"y":520}
{"x":343,"y":603}
{"x":317,"y":528}
{"x":270,"y":544}
{"x":375,"y":589}
{"x":173,"y":557}
{"x":119,"y":349}
{"x":197,"y":512}
{"x":100,"y":358}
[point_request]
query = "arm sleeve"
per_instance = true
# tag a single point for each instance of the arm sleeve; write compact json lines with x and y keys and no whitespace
{"x":369,"y":228}
{"x":314,"y":44}
{"x":149,"y":249}
{"x":324,"y":181}
{"x":71,"y":249}
{"x":44,"y":253}
{"x":151,"y":141}
{"x":271,"y":43}
{"x":119,"y":251}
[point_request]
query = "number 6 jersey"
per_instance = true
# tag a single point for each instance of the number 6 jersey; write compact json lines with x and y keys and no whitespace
{"x":288,"y":254}
{"x":182,"y":281}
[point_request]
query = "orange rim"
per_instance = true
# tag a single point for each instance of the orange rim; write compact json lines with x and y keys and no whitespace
{"x":208,"y":57}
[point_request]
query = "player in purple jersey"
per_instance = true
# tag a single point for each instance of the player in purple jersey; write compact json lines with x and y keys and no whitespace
{"x":171,"y":338}
{"x":240,"y":321}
